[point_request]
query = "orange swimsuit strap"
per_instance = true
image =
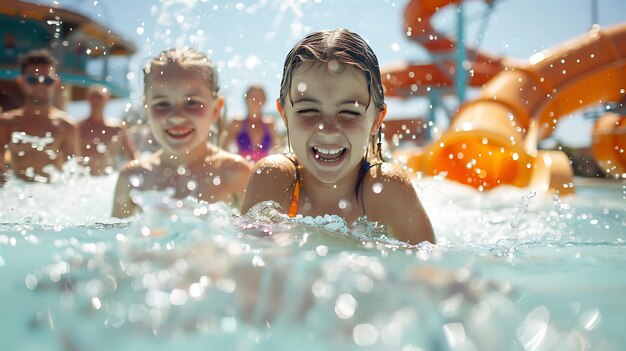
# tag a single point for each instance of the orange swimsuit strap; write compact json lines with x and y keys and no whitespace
{"x":293,"y":208}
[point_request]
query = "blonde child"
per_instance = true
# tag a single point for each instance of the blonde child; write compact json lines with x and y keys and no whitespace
{"x":332,"y":102}
{"x":182,"y":102}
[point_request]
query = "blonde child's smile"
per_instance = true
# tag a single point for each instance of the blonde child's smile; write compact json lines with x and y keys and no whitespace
{"x":179,"y":133}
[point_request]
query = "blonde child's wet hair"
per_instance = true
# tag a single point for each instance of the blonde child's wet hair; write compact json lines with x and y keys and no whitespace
{"x":187,"y":58}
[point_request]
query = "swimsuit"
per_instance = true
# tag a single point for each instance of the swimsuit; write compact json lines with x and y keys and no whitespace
{"x":244,"y":142}
{"x":293,"y":206}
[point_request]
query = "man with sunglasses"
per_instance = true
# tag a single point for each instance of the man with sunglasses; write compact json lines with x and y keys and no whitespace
{"x":38,"y":136}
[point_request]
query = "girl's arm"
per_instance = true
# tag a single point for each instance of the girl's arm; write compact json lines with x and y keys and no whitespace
{"x":228,"y":135}
{"x":123,"y":206}
{"x":128,"y":148}
{"x":238,"y":175}
{"x":390,"y":199}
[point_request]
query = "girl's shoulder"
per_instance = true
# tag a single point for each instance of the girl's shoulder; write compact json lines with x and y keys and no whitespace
{"x":383,"y":170}
{"x":224,"y":158}
{"x":140,"y":172}
{"x":141,"y":166}
{"x":388,"y":176}
{"x":275,"y":171}
{"x":277,"y":164}
{"x":272,"y":178}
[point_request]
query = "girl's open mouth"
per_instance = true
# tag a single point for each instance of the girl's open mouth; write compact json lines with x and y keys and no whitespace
{"x":179,"y":133}
{"x":328,"y":155}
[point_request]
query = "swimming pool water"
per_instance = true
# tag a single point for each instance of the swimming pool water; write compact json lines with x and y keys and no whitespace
{"x":513,"y":270}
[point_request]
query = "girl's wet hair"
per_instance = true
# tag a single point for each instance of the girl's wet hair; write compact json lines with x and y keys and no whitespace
{"x":338,"y":45}
{"x":187,"y":58}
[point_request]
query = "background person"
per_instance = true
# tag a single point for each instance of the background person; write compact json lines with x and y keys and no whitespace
{"x":103,"y":145}
{"x":38,"y":136}
{"x":254,"y":136}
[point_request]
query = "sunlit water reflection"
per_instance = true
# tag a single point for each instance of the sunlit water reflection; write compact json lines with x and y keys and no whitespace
{"x":513,"y":270}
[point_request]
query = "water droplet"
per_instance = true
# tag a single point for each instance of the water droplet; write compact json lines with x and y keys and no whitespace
{"x":345,"y":306}
{"x":178,"y":297}
{"x":377,"y":188}
{"x":135,"y":181}
{"x":321,"y":250}
{"x":217,"y":181}
{"x":96,"y":303}
{"x":365,"y":334}
{"x":31,"y":282}
{"x":302,"y":87}
{"x":333,"y":66}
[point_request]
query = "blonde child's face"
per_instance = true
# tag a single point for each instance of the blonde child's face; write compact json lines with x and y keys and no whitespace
{"x":330,"y":117}
{"x":181,"y":107}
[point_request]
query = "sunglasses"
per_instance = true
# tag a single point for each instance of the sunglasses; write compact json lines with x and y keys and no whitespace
{"x":46,"y":80}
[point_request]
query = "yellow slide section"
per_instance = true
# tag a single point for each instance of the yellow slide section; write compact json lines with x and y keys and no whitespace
{"x":493,"y":139}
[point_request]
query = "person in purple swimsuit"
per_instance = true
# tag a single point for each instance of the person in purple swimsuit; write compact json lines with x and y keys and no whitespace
{"x":255,"y":135}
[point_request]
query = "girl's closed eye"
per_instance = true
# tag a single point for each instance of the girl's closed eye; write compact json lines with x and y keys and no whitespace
{"x":308,"y":112}
{"x":350,"y":113}
{"x":161,"y":105}
{"x":194,"y":104}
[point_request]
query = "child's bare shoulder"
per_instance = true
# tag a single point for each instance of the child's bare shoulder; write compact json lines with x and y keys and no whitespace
{"x":276,"y":169}
{"x":229,"y":160}
{"x":386,"y":176}
{"x":140,"y":167}
{"x":387,"y":171}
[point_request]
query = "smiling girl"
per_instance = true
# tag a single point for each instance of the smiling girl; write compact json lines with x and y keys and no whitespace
{"x":332,"y":102}
{"x":182,"y":102}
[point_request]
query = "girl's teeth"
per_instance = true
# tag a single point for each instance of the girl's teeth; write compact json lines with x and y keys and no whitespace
{"x":176,"y":132}
{"x":329,"y":151}
{"x":328,"y":155}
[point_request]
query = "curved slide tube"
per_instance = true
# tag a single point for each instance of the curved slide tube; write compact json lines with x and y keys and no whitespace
{"x":492,"y":140}
{"x":405,"y":79}
{"x":609,"y":144}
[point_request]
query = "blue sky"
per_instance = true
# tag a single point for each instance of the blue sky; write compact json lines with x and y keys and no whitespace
{"x":249,"y":39}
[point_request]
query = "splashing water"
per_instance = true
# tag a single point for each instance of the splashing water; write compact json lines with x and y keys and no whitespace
{"x":198,"y":274}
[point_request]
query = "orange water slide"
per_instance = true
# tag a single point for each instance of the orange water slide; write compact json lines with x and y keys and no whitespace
{"x":405,"y":79}
{"x":493,"y":139}
{"x":609,"y":144}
